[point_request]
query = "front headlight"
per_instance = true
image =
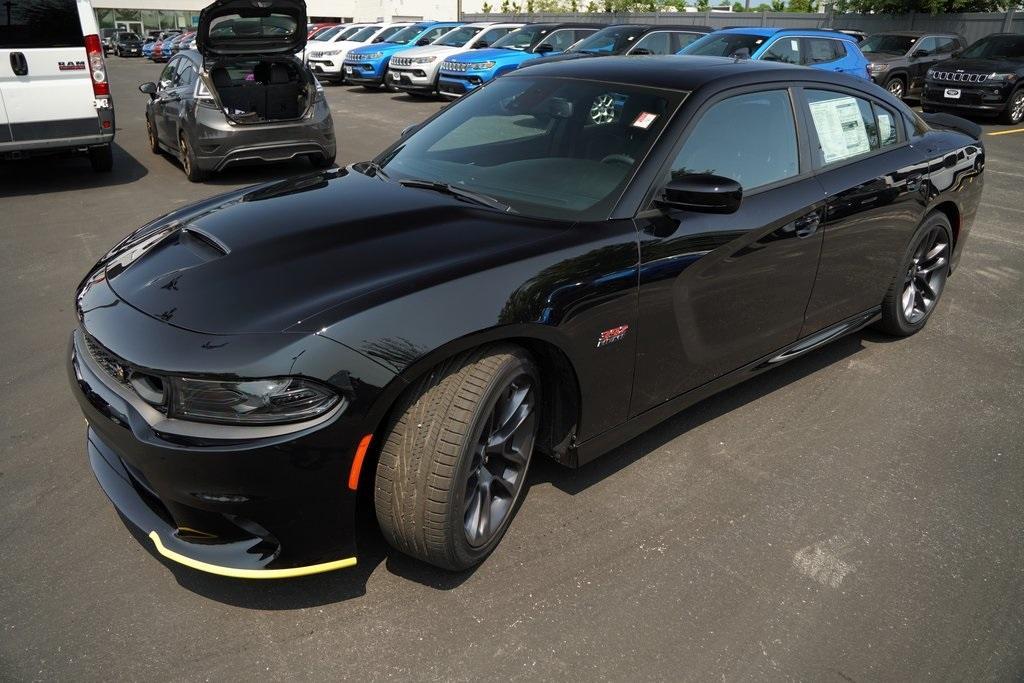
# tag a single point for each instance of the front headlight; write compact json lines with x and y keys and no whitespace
{"x":275,"y":400}
{"x":423,"y":60}
{"x":1001,"y":78}
{"x":481,"y":65}
{"x":878,"y":68}
{"x":373,"y":55}
{"x":331,"y":53}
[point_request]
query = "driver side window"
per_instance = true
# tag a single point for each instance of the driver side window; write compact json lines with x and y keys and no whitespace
{"x":748,"y":138}
{"x":785,"y":50}
{"x":560,"y":39}
{"x":169,"y":76}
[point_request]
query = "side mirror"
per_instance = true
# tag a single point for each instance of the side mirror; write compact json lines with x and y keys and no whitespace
{"x":423,"y":41}
{"x":408,"y":130}
{"x":955,"y":53}
{"x":703,"y":193}
{"x":149,"y":89}
{"x":544,"y":47}
{"x":920,"y":53}
{"x":480,"y":44}
{"x":641,"y":51}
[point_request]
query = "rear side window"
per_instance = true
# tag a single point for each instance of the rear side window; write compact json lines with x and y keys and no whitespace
{"x":822,"y":50}
{"x":749,"y":138}
{"x":848,"y":126}
{"x":25,"y":24}
{"x":655,"y":43}
{"x":946,"y":45}
{"x":681,"y":39}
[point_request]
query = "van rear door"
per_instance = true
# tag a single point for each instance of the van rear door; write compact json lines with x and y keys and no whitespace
{"x":45,"y":84}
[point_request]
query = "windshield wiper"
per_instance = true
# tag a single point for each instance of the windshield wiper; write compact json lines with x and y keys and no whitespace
{"x":456,"y":191}
{"x":372,"y":168}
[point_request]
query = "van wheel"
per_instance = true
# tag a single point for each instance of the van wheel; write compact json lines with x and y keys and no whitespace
{"x":154,"y":141}
{"x":101,"y":158}
{"x":453,"y":463}
{"x":188,"y":161}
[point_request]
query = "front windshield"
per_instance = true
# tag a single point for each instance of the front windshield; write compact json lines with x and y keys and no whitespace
{"x":459,"y":36}
{"x":327,"y":33}
{"x":347,"y":33}
{"x":548,"y":147}
{"x":888,"y":44}
{"x":723,"y":44}
{"x":407,"y":35}
{"x":609,"y":41}
{"x":389,"y":31}
{"x":521,"y":39}
{"x":127,"y":36}
{"x":997,"y":47}
{"x":363,"y":34}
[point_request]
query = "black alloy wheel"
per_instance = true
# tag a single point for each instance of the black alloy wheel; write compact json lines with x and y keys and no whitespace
{"x":454,"y":460}
{"x":915,"y":291}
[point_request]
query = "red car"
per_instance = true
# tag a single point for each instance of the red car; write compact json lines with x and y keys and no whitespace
{"x":313,"y":29}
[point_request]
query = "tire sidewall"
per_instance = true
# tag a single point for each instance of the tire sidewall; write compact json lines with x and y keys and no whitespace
{"x":933,"y":219}
{"x":903,"y":87}
{"x":466,"y":554}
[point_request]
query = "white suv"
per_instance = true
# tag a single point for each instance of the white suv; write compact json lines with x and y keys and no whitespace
{"x":54,"y":94}
{"x":326,"y":60}
{"x":415,"y":70}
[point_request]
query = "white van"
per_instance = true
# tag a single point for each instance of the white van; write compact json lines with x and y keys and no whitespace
{"x":54,"y":94}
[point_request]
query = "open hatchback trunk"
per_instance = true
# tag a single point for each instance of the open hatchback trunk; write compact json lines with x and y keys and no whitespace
{"x":248,"y":49}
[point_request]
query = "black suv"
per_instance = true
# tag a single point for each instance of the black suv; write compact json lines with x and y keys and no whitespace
{"x":900,"y":59}
{"x":127,"y":44}
{"x":985,"y":79}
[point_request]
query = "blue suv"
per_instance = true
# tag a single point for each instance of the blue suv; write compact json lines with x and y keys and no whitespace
{"x":367,"y":65}
{"x":466,"y":71}
{"x":826,"y":50}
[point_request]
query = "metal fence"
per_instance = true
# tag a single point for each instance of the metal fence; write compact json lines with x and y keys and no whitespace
{"x":971,"y":25}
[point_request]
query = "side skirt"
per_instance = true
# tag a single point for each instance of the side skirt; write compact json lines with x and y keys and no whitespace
{"x":598,"y":445}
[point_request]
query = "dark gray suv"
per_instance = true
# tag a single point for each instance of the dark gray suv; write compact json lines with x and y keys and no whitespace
{"x":241,"y":95}
{"x":899,"y":60}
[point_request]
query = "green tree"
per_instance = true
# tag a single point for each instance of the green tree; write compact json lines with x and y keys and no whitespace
{"x":801,"y":6}
{"x":487,"y":8}
{"x":737,"y":7}
{"x":932,"y":6}
{"x":592,"y":7}
{"x":517,"y":8}
{"x":506,"y":8}
{"x":703,"y":5}
{"x":778,"y":5}
{"x":574,"y":7}
{"x":529,"y":6}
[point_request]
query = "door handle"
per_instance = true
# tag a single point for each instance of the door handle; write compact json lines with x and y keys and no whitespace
{"x":807,"y":225}
{"x":19,"y":65}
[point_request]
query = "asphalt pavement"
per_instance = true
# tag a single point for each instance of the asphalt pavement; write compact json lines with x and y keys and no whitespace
{"x":854,"y":515}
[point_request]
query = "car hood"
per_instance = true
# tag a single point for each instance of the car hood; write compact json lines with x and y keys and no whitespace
{"x":271,"y":258}
{"x":980,"y":65}
{"x":432,"y":50}
{"x":497,"y":54}
{"x":385,"y":47}
{"x":884,"y":58}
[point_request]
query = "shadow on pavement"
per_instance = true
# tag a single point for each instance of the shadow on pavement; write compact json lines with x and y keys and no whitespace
{"x":63,"y":172}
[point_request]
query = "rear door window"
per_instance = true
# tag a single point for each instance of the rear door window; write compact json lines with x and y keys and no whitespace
{"x":560,"y":40}
{"x":785,"y":50}
{"x":848,"y":127}
{"x":681,"y":39}
{"x":823,"y":50}
{"x":26,"y":24}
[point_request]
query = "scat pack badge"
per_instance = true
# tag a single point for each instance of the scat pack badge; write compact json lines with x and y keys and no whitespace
{"x":611,"y":336}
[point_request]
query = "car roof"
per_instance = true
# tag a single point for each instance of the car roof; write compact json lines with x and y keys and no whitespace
{"x":648,"y":28}
{"x":567,"y":24}
{"x":681,"y":72}
{"x":768,"y":31}
{"x":917,"y":34}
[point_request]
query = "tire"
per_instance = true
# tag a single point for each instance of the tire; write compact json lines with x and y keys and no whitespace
{"x":896,"y":87}
{"x":101,"y":158}
{"x":321,"y":160}
{"x":435,"y":475}
{"x":151,"y":136}
{"x":916,"y":287}
{"x":1014,"y":113}
{"x":188,"y":160}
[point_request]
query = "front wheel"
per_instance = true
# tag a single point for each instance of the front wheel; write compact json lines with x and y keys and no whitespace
{"x":896,"y":86}
{"x":454,"y":461}
{"x":1014,"y":113}
{"x":917,"y":286}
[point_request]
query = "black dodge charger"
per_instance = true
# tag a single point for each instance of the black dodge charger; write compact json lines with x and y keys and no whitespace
{"x":545,"y":269}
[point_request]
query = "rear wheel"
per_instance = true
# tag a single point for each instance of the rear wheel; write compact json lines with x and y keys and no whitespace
{"x":154,"y":141}
{"x":101,"y":158}
{"x":454,"y":461}
{"x":897,"y":87}
{"x":188,"y":160}
{"x":916,"y":288}
{"x":1014,"y":113}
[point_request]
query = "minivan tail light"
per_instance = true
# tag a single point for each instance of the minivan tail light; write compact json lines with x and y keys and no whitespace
{"x":97,"y":67}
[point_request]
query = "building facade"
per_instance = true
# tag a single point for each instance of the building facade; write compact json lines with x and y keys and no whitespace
{"x":153,"y":15}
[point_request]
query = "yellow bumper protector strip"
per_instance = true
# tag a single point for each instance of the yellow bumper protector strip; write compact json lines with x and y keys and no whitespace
{"x":248,"y":573}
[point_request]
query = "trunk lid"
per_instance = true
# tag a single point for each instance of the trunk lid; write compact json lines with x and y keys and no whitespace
{"x":252,"y":27}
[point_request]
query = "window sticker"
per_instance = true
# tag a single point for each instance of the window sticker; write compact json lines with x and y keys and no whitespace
{"x":644,"y":120}
{"x":840,"y":127}
{"x":885,"y":129}
{"x":794,"y":46}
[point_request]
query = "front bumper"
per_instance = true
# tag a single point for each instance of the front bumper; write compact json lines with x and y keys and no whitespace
{"x":457,"y":85}
{"x":278,"y":504}
{"x":220,"y":143}
{"x":327,"y":68}
{"x":991,"y":99}
{"x":419,"y":79}
{"x":365,"y":73}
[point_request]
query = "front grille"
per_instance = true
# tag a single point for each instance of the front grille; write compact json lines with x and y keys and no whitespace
{"x":116,"y":368}
{"x":360,"y":58}
{"x":401,"y":61}
{"x":315,"y":55}
{"x":958,"y":77}
{"x":454,"y":66}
